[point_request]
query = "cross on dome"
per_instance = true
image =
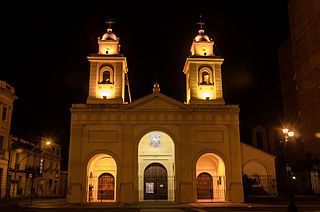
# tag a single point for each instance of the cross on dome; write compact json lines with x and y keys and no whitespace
{"x":200,"y":22}
{"x":110,"y":22}
{"x":109,"y":35}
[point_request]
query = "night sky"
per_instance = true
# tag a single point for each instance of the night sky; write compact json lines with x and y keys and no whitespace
{"x":46,"y":49}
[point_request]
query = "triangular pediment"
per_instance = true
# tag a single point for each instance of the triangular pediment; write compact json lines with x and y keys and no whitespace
{"x":157,"y":101}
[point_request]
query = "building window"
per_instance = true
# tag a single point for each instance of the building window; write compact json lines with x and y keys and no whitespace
{"x":50,"y":183}
{"x":4,"y":113}
{"x":17,"y":159}
{"x":50,"y":168}
{"x":259,"y":140}
{"x":1,"y":143}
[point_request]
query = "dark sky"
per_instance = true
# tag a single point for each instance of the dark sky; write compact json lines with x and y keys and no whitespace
{"x":45,"y":58}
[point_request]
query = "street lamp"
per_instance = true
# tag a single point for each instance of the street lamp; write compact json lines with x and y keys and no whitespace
{"x":46,"y":141}
{"x":289,"y":134}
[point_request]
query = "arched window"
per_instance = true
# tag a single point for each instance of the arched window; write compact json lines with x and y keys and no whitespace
{"x":206,"y":76}
{"x":106,"y":75}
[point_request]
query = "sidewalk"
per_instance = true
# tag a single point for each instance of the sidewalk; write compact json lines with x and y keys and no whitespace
{"x":62,"y":203}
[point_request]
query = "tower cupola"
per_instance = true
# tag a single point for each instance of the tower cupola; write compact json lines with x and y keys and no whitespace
{"x":203,"y":71}
{"x":202,"y":44}
{"x":109,"y":35}
{"x":109,"y":43}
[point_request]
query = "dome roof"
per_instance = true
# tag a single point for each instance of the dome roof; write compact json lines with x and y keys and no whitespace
{"x":109,"y":35}
{"x":202,"y":37}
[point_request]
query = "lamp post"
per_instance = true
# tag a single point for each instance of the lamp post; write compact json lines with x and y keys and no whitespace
{"x":46,"y":141}
{"x":289,"y":134}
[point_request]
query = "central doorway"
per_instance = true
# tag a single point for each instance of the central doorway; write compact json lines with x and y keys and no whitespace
{"x":156,"y":167}
{"x":155,"y":182}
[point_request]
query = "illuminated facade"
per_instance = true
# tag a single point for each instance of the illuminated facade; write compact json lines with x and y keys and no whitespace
{"x":7,"y":97}
{"x":157,"y":148}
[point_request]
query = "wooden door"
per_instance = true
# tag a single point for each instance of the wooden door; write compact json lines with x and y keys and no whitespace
{"x":204,"y":186}
{"x":106,"y":187}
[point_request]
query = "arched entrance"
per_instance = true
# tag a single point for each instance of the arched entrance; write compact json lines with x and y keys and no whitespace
{"x":155,"y":182}
{"x":156,"y":167}
{"x":210,"y":178}
{"x":101,"y":179}
{"x":256,"y":179}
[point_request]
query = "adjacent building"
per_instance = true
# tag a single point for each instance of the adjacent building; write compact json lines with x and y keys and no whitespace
{"x":34,"y":168}
{"x":299,"y":65}
{"x":7,"y":97}
{"x":158,"y":148}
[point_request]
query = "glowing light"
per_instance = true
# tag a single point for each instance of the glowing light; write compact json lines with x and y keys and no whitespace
{"x":204,"y":51}
{"x":285,"y":130}
{"x":107,"y":50}
{"x":105,"y":93}
{"x":317,"y":135}
{"x":206,"y":95}
{"x":290,"y":134}
{"x":47,"y":141}
{"x":294,"y":177}
{"x":19,"y":150}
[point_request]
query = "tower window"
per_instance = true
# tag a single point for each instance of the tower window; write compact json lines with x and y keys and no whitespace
{"x":106,"y":77}
{"x":205,"y":78}
{"x":4,"y":113}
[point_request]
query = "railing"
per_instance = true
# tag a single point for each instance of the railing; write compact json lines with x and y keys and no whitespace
{"x":260,"y":185}
{"x":211,"y":188}
{"x":97,"y":192}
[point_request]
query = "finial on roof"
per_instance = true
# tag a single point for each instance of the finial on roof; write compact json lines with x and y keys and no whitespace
{"x":156,"y":88}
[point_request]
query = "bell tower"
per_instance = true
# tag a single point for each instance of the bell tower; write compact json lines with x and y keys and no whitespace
{"x":203,"y":71}
{"x":108,"y":69}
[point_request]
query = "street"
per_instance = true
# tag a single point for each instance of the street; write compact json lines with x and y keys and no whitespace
{"x":40,"y":205}
{"x":151,"y":209}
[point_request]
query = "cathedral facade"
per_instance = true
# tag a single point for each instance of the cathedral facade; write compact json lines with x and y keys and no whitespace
{"x":157,"y":148}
